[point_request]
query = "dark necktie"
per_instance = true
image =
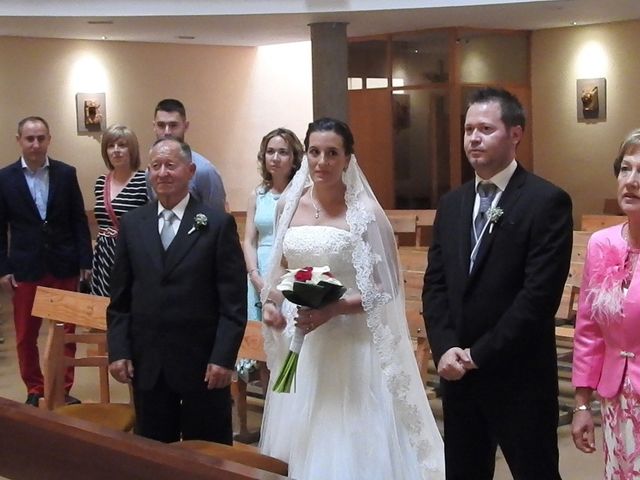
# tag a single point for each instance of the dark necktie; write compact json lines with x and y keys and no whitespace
{"x":167,"y":233}
{"x":487,"y":192}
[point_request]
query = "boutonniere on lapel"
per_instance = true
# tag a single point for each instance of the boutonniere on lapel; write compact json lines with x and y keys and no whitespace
{"x":199,"y":223}
{"x":493,"y":216}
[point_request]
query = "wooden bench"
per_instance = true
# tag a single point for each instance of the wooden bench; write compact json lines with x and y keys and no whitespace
{"x":37,"y":443}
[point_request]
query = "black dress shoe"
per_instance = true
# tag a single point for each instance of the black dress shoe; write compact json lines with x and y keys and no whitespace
{"x":69,"y":400}
{"x":33,"y":399}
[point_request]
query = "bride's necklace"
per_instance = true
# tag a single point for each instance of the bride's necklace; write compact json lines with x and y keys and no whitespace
{"x":315,"y":207}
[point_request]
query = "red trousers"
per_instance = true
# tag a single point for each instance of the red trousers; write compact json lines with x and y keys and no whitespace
{"x":28,"y":328}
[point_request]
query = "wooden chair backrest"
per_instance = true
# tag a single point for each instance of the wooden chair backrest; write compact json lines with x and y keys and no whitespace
{"x":575,"y":274}
{"x":241,"y":220}
{"x":413,"y":282}
{"x":424,"y":233}
{"x":82,"y":310}
{"x":591,"y":223}
{"x":580,"y":241}
{"x":401,"y":222}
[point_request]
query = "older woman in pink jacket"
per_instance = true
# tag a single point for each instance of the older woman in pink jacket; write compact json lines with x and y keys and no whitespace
{"x":607,"y":337}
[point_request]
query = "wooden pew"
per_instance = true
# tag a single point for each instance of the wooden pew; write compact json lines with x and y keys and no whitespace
{"x":591,"y":223}
{"x":37,"y":443}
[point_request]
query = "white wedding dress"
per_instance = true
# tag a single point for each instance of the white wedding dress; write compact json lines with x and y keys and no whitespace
{"x":340,"y":423}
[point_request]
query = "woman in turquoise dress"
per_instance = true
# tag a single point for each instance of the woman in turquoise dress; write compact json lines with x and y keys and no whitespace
{"x":279,"y":159}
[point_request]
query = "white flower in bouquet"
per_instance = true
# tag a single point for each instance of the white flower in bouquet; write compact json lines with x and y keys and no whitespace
{"x":310,"y":287}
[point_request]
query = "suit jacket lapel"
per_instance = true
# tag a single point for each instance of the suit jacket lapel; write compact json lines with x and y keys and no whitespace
{"x":53,"y":184}
{"x":183,"y":241}
{"x":150,"y":236}
{"x":506,"y":203}
{"x":465,"y":227}
{"x":23,"y":188}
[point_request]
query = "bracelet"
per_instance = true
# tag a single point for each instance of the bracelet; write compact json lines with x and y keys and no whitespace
{"x":582,"y":408}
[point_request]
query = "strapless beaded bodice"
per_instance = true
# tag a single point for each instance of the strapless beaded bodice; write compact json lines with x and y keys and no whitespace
{"x":318,"y":246}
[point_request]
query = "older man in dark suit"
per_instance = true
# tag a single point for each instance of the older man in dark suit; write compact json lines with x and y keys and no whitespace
{"x":49,"y":243}
{"x":500,"y":257}
{"x":178,"y":306}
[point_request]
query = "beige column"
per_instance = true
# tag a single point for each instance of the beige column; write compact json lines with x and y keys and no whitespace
{"x":329,"y":70}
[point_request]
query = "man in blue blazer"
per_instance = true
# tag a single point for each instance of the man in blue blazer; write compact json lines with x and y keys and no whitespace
{"x":44,"y":240}
{"x":178,"y":306}
{"x":496,"y":270}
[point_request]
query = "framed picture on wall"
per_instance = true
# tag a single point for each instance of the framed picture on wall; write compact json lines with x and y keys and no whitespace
{"x":591,"y":99}
{"x":91,"y":109}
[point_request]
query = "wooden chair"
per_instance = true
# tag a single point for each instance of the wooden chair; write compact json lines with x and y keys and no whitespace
{"x":591,"y":223}
{"x":403,"y":223}
{"x":252,"y":348}
{"x":418,"y":332}
{"x":424,"y":225}
{"x":413,"y":258}
{"x":86,"y":312}
{"x":241,"y":220}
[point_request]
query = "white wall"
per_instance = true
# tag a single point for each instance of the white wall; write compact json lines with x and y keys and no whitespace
{"x":579,"y":156}
{"x":233,"y":96}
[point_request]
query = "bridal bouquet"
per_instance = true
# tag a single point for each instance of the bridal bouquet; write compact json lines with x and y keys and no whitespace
{"x":310,"y":287}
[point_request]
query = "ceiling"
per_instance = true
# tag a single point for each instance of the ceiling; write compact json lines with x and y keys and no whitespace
{"x":224,"y":23}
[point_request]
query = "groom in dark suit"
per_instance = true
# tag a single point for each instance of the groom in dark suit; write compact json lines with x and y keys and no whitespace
{"x":178,"y":306}
{"x":499,"y":260}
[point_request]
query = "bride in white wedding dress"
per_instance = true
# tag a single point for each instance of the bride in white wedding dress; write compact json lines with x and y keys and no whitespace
{"x":358,"y":410}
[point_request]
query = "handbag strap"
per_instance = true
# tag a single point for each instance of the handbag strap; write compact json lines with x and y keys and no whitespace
{"x":107,"y":203}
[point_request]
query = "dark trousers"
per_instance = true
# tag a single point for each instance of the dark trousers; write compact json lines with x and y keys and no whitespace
{"x":524,"y":424}
{"x":168,"y":416}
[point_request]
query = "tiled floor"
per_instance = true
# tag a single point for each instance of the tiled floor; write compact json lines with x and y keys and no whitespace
{"x":574,"y":464}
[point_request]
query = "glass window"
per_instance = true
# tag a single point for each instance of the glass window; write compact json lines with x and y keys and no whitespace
{"x":368,"y":62}
{"x":420,"y":58}
{"x":421,"y":147}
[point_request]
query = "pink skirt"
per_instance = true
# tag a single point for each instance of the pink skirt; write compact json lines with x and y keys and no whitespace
{"x":621,"y":429}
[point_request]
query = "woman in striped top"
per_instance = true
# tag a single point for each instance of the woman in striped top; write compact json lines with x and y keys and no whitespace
{"x":122,"y":189}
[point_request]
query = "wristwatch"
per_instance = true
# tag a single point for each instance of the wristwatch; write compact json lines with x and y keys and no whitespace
{"x":582,"y":408}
